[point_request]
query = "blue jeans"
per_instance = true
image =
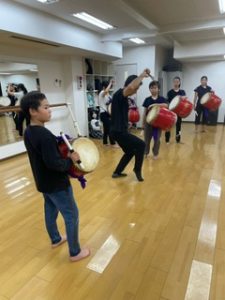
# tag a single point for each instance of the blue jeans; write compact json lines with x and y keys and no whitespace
{"x":63,"y":202}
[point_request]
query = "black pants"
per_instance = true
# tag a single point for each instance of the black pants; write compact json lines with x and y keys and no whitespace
{"x":178,"y":131}
{"x":132,"y":146}
{"x":105,"y":118}
{"x":21,"y":118}
{"x":15,"y":119}
{"x":201,"y":115}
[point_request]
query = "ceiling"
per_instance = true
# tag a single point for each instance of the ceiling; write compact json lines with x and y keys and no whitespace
{"x":161,"y":22}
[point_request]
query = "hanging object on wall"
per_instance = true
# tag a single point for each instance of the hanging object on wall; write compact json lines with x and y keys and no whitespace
{"x":89,"y":66}
{"x":58,"y":82}
{"x":79,"y":82}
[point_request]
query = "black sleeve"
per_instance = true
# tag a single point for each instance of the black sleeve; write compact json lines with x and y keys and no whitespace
{"x":52,"y":157}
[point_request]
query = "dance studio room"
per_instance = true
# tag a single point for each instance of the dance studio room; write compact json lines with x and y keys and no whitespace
{"x":112,"y":150}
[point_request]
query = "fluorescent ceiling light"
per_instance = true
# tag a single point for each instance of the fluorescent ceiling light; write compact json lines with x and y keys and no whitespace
{"x":224,"y":30}
{"x":90,"y":19}
{"x":137,"y":41}
{"x":222,"y":6}
{"x":4,"y":73}
{"x":48,"y":1}
{"x":224,"y":56}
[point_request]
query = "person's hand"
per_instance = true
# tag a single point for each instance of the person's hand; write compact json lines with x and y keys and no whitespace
{"x":146,"y":73}
{"x":74,"y":156}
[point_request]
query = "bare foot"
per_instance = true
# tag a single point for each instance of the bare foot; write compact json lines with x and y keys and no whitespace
{"x":155,"y":157}
{"x":63,"y":240}
{"x":84,"y":252}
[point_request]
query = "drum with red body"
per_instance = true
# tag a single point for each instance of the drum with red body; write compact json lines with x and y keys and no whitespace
{"x":211,"y":101}
{"x":161,"y":117}
{"x":88,"y":152}
{"x":133,"y":115}
{"x":181,"y":106}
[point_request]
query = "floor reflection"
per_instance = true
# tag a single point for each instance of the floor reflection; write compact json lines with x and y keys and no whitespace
{"x":104,"y":255}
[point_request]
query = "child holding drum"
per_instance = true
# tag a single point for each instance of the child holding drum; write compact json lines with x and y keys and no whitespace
{"x":175,"y":91}
{"x":201,"y":112}
{"x":149,"y":131}
{"x":50,"y":173}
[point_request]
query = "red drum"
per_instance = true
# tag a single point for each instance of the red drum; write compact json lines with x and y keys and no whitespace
{"x":161,"y":117}
{"x":133,"y":115}
{"x":89,"y":156}
{"x":181,"y":106}
{"x":210,"y":101}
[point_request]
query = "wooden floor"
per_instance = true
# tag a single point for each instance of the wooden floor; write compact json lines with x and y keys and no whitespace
{"x":163,"y":239}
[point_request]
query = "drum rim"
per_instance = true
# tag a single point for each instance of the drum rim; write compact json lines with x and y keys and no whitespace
{"x":97,"y":152}
{"x":208,"y":93}
{"x":6,"y":98}
{"x":155,"y":108}
{"x":177,"y":96}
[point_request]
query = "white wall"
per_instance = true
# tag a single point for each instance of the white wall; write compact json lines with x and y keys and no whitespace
{"x":161,"y":59}
{"x":143,"y":57}
{"x":215,"y":71}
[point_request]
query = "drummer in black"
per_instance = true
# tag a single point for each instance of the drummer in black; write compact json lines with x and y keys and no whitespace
{"x":130,"y":144}
{"x":201,"y":113}
{"x":175,"y":91}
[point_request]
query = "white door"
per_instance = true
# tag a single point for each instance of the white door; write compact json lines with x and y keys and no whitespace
{"x":122,"y":72}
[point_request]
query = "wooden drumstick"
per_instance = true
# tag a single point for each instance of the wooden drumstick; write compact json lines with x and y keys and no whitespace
{"x":152,"y":77}
{"x":70,"y":147}
{"x":74,"y":121}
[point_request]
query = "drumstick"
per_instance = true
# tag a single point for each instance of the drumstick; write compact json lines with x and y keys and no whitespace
{"x":74,"y":121}
{"x":152,"y":77}
{"x":70,"y":147}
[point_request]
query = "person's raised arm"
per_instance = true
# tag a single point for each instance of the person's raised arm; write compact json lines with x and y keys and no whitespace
{"x":106,"y":91}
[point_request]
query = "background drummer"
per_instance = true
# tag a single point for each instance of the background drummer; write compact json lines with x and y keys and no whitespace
{"x":50,"y":173}
{"x":149,"y":130}
{"x":201,"y":113}
{"x":175,"y":91}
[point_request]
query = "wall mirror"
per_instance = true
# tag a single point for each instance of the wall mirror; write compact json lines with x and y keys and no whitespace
{"x":15,"y":80}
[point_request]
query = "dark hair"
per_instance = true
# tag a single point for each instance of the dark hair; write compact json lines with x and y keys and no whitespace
{"x":31,"y":100}
{"x":129,"y":80}
{"x":21,"y":87}
{"x":154,"y":83}
{"x":105,"y":84}
{"x":204,"y":77}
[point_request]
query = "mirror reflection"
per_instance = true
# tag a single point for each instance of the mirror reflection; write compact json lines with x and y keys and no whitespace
{"x":16,"y":79}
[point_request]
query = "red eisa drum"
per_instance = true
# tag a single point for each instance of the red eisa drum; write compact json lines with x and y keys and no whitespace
{"x":88,"y":153}
{"x":133,"y":115}
{"x":181,"y":106}
{"x":211,"y":101}
{"x":161,"y":117}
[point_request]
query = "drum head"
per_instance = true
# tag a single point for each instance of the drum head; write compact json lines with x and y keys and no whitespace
{"x":205,"y":98}
{"x":152,"y":114}
{"x":4,"y":101}
{"x":174,"y":103}
{"x":88,"y":152}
